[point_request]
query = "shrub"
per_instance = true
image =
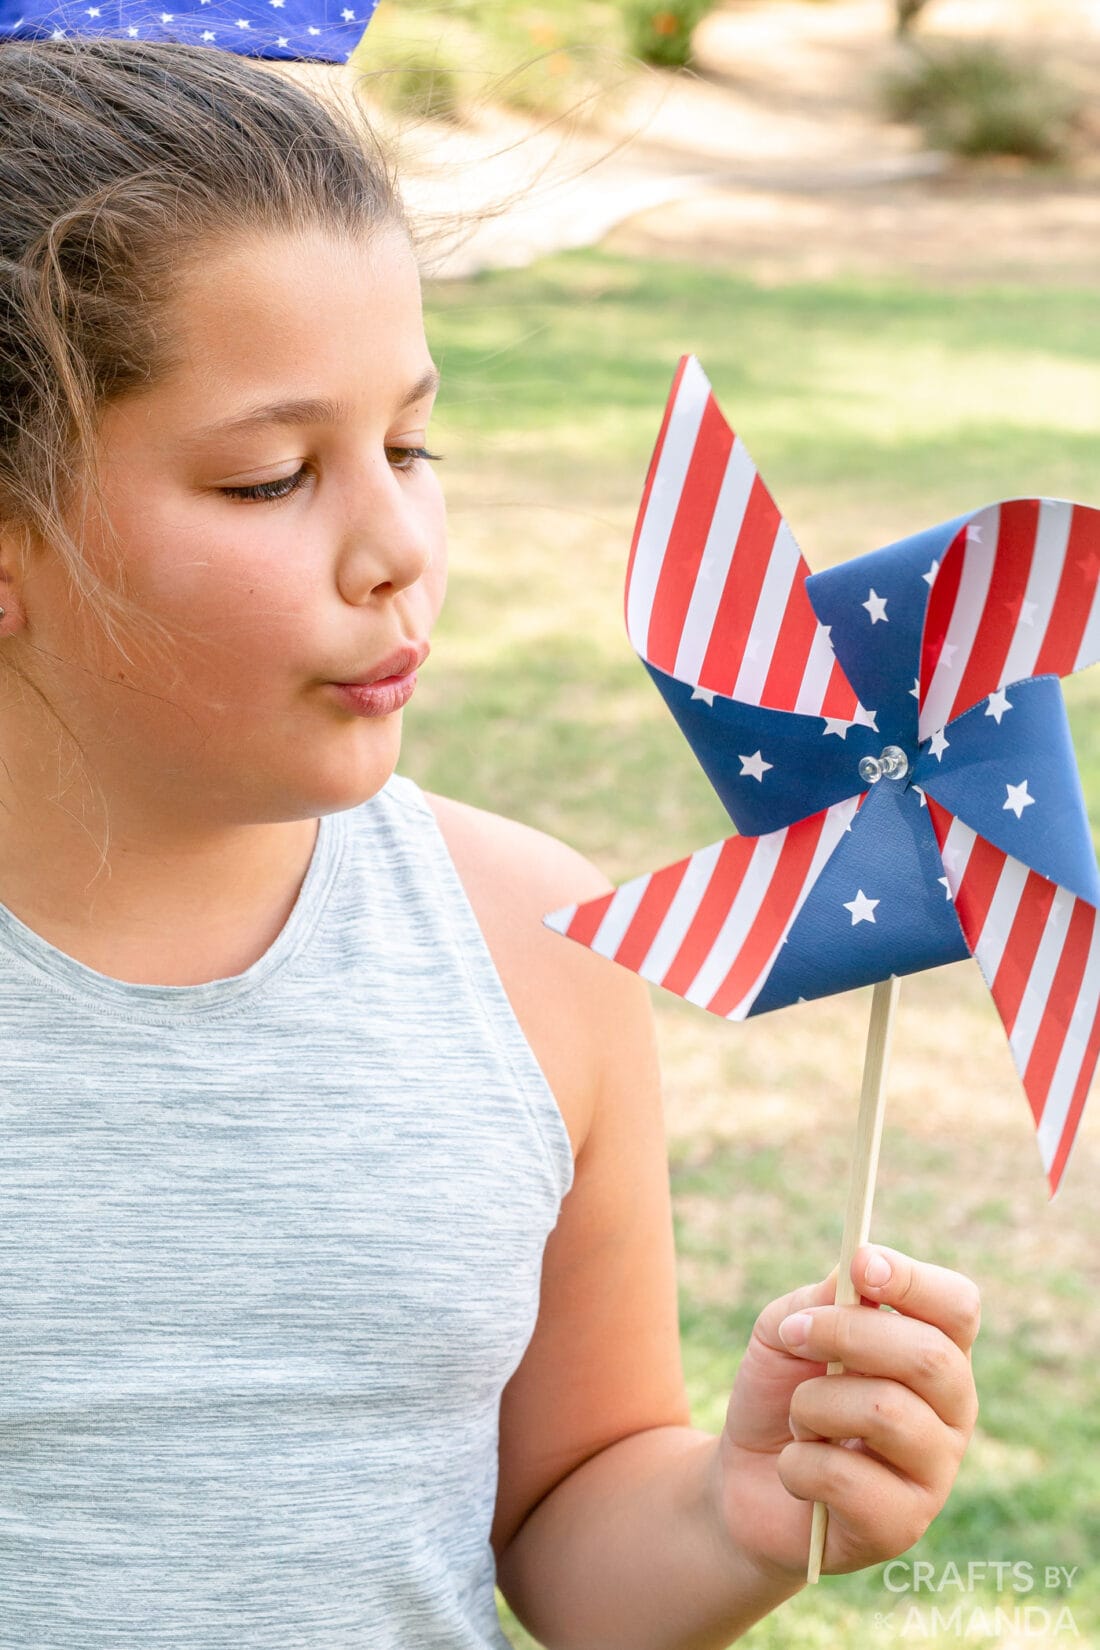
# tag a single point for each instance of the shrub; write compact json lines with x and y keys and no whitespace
{"x":907,"y":12}
{"x":443,"y":58}
{"x":413,"y":63}
{"x":659,"y":31}
{"x":978,"y":100}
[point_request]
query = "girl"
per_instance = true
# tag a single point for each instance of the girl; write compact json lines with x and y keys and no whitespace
{"x":337,"y":1266}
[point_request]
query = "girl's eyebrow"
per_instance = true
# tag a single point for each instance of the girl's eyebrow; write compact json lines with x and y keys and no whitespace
{"x":307,"y":410}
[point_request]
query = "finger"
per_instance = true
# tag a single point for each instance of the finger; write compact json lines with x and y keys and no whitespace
{"x":873,"y":1514}
{"x":768,"y":1373}
{"x":903,"y":1349}
{"x":889,"y":1419}
{"x":766,"y":1328}
{"x":933,"y":1294}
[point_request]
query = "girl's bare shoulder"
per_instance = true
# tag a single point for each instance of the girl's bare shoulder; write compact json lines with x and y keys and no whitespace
{"x":562,"y":994}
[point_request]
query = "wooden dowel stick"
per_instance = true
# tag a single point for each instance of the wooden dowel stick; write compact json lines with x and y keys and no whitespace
{"x":861,"y":1193}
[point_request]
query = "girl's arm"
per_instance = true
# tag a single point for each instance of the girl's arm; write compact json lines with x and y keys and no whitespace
{"x":618,"y":1525}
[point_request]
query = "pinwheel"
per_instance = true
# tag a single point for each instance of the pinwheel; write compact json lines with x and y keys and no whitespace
{"x":890,"y":740}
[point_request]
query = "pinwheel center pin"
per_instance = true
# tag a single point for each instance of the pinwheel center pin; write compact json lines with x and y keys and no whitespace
{"x":892,"y":764}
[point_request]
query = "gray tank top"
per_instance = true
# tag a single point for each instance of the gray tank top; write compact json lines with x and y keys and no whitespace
{"x":270,"y":1248}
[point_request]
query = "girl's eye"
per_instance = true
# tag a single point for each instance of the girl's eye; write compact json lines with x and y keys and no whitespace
{"x":402,"y":458}
{"x":282,"y":488}
{"x":411,"y":456}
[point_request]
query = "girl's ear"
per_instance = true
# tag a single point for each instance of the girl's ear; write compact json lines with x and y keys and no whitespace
{"x":16,"y":550}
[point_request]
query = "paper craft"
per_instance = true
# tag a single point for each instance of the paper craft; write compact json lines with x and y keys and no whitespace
{"x":890,"y":740}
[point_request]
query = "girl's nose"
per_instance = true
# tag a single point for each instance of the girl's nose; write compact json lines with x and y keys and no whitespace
{"x":388,"y":537}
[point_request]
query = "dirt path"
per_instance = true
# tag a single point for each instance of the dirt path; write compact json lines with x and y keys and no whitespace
{"x":773,"y":157}
{"x":803,"y":77}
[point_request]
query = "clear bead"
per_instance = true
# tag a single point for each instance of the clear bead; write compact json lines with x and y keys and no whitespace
{"x":892,"y":764}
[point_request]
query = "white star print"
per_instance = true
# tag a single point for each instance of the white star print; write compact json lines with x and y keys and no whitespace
{"x":837,"y":725}
{"x":939,"y":745}
{"x":706,"y":694}
{"x":862,"y":908}
{"x":876,"y":607}
{"x":754,"y":766}
{"x":930,"y":577}
{"x":914,"y":691}
{"x":1018,"y":798}
{"x":865,"y":718}
{"x":998,"y":703}
{"x":283,"y":41}
{"x":946,"y":884}
{"x":348,"y":16}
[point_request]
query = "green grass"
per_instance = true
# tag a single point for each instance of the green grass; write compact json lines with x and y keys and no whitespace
{"x":872,"y":410}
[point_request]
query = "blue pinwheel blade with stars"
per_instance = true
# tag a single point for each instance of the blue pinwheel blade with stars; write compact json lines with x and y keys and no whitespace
{"x":890,"y":740}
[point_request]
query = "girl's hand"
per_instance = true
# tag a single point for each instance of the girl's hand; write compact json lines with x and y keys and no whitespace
{"x":879,"y":1444}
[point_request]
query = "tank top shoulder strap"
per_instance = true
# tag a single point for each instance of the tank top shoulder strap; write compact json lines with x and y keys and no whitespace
{"x":428,"y":858}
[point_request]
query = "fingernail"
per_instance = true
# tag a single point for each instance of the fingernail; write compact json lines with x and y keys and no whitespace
{"x":878,"y":1271}
{"x":794,"y":1331}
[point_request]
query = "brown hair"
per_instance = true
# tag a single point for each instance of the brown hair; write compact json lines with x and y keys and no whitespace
{"x":122,"y":163}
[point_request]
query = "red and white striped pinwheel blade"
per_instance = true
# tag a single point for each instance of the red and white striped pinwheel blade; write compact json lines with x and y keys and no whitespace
{"x":1018,"y":595}
{"x":1038,"y":947}
{"x":715,"y":586}
{"x":709,"y":928}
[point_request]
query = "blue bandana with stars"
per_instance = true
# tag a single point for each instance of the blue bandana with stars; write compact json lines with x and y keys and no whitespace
{"x":327,"y":31}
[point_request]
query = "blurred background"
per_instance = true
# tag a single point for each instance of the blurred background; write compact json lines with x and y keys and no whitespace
{"x":876,"y":223}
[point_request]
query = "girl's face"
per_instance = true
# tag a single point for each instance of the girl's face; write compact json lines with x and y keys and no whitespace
{"x":275,"y":599}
